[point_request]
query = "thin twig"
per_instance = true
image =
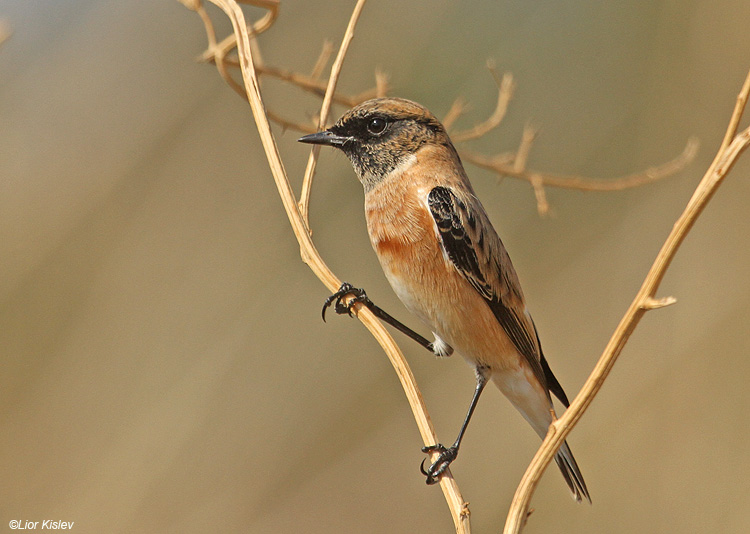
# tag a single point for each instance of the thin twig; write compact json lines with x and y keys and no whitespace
{"x":515,"y":166}
{"x":325,"y":108}
{"x":730,"y":149}
{"x":457,"y":109}
{"x":519,"y":165}
{"x":381,"y":84}
{"x":504,"y":94}
{"x":265,"y":22}
{"x":219,"y":53}
{"x":307,"y":83}
{"x":459,"y":509}
{"x":302,"y":81}
{"x":291,"y":125}
{"x":320,"y":64}
{"x":502,"y":167}
{"x":734,"y":122}
{"x":522,"y":155}
{"x":542,"y":205}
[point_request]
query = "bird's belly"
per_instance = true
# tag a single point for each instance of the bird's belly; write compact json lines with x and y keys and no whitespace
{"x":403,"y":234}
{"x":433,"y":290}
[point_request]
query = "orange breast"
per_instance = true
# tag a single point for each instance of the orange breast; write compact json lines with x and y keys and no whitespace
{"x":402,"y":233}
{"x":397,"y":216}
{"x":389,"y":246}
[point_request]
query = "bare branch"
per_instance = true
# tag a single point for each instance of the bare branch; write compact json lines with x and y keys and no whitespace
{"x":320,"y":64}
{"x":219,"y":53}
{"x":325,"y":108}
{"x":459,"y":508}
{"x":243,"y":43}
{"x":505,"y":93}
{"x":457,"y":109}
{"x":734,"y":122}
{"x":303,"y":81}
{"x":262,"y":24}
{"x":527,"y":139}
{"x":381,"y":84}
{"x":651,"y":303}
{"x":503,"y":168}
{"x":730,"y":149}
{"x":291,"y":125}
{"x":542,"y":206}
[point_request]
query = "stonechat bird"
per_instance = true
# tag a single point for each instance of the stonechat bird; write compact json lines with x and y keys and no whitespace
{"x":446,"y":263}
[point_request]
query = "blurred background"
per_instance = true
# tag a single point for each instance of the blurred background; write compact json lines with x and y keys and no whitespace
{"x":164,"y":365}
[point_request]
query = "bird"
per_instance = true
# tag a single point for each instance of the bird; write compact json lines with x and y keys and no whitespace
{"x":446,"y":263}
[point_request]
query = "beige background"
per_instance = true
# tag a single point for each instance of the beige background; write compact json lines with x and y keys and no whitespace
{"x":164,"y":365}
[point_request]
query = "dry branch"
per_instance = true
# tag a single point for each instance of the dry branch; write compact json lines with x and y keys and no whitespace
{"x":459,"y":509}
{"x":457,"y":109}
{"x":241,"y":50}
{"x":504,"y":94}
{"x":310,"y":83}
{"x":730,"y":149}
{"x":325,"y":109}
{"x":222,"y":55}
{"x":506,"y":166}
{"x":320,"y":64}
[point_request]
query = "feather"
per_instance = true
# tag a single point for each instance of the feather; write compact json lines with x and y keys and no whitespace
{"x":476,"y":251}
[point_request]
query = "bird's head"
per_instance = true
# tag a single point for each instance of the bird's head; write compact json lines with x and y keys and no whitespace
{"x":381,"y":134}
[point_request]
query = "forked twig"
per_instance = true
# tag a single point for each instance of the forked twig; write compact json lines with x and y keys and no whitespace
{"x":730,"y":149}
{"x":312,"y":258}
{"x":505,"y":86}
{"x":242,"y":40}
{"x":320,"y":64}
{"x":325,"y":108}
{"x":221,"y":54}
{"x":505,"y":166}
{"x":457,"y":109}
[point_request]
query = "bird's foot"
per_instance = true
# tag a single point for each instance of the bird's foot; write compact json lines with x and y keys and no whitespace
{"x":447,"y":455}
{"x":337,"y":299}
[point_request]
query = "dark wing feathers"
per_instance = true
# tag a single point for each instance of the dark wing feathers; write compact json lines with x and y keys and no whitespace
{"x":456,"y":242}
{"x":491,"y":274}
{"x":552,"y":383}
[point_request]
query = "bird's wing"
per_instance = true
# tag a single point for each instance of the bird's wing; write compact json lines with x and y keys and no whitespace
{"x":474,"y":248}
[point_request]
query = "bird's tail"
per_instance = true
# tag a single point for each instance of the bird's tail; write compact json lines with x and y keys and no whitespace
{"x":571,"y":473}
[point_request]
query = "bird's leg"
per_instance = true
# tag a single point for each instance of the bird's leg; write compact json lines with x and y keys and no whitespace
{"x":447,"y":455}
{"x":359,"y":296}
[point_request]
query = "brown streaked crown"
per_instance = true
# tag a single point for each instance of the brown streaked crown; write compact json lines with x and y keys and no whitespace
{"x":381,"y":133}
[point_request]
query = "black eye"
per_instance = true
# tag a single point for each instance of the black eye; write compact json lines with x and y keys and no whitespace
{"x":376,"y":125}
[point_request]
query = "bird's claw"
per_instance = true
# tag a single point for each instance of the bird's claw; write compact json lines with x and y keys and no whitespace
{"x":340,"y":307}
{"x":447,"y":455}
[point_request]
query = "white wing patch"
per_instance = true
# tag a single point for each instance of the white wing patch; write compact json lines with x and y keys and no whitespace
{"x":440,"y":347}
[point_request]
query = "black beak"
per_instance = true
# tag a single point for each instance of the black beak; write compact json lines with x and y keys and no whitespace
{"x":326,"y":137}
